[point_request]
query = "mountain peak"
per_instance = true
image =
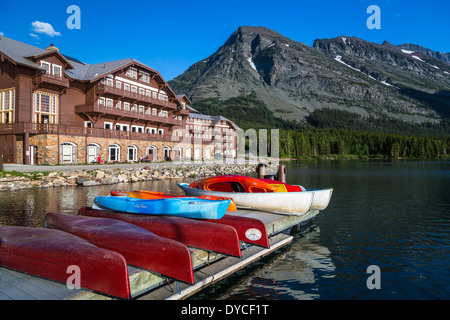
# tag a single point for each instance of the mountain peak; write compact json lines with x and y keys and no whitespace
{"x":293,"y":79}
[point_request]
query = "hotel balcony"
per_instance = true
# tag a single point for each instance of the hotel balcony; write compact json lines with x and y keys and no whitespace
{"x":51,"y":79}
{"x":56,"y":129}
{"x":98,"y":109}
{"x":135,"y":97}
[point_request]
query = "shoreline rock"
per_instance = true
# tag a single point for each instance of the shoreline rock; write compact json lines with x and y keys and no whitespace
{"x":120,"y":175}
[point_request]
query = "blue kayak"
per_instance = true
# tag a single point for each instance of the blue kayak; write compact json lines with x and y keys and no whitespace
{"x":181,"y":207}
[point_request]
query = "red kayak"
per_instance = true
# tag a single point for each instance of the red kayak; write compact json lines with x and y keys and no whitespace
{"x":193,"y":233}
{"x":48,"y":254}
{"x":249,"y":230}
{"x":139,"y":247}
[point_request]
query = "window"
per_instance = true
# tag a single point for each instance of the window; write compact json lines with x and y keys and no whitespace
{"x":160,"y":131}
{"x":108,"y":125}
{"x":101,"y":101}
{"x":126,"y":106}
{"x":114,"y":153}
{"x":119,"y":105}
{"x":92,"y":152}
{"x":118,"y":85}
{"x":126,"y":87}
{"x":109,"y":82}
{"x":46,"y":66}
{"x":134,"y":89}
{"x":141,"y":91}
{"x":144,"y":76}
{"x":57,"y":70}
{"x":7,"y":105}
{"x":109,"y":103}
{"x":132,"y":72}
{"x":68,"y":152}
{"x":45,"y":107}
{"x":132,"y":153}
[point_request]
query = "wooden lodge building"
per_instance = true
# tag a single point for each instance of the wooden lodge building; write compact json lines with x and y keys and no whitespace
{"x":55,"y":109}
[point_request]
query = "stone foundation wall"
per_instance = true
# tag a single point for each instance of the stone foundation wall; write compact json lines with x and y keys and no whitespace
{"x":49,"y":146}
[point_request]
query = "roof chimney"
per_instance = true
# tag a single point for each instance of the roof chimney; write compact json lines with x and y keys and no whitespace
{"x":52,"y":47}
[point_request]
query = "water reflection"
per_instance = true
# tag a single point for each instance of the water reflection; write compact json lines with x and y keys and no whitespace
{"x":291,"y":275}
{"x":28,"y":207}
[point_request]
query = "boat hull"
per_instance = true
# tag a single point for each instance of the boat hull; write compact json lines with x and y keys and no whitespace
{"x":249,"y":230}
{"x":49,"y":253}
{"x":321,"y":198}
{"x":138,"y":246}
{"x":181,"y":207}
{"x":149,"y":195}
{"x":193,"y":233}
{"x":290,"y":203}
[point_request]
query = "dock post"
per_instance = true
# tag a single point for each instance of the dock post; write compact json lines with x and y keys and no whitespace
{"x":281,"y":174}
{"x":261,"y":170}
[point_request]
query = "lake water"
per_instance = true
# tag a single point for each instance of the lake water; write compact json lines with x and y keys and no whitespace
{"x":392,"y":215}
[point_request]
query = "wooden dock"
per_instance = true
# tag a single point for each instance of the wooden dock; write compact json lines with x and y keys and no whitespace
{"x":208,"y":267}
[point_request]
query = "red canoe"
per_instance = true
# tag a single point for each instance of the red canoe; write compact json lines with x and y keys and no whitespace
{"x":139,"y":247}
{"x":48,"y":254}
{"x":249,"y":230}
{"x":193,"y":233}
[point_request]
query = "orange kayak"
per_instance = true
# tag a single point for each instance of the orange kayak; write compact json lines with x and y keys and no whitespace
{"x":234,"y":183}
{"x":149,"y":195}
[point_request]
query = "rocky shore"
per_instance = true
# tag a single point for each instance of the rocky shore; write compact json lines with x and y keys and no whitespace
{"x":94,"y":177}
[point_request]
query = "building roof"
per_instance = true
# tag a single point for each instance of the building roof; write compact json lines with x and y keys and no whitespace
{"x":21,"y":53}
{"x":215,"y":119}
{"x":17,"y":52}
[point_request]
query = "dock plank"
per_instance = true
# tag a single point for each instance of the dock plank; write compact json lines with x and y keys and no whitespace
{"x":216,"y":271}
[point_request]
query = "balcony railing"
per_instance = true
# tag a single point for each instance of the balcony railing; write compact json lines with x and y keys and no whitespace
{"x":55,"y":129}
{"x":102,"y":109}
{"x":106,"y":89}
{"x":52,"y":79}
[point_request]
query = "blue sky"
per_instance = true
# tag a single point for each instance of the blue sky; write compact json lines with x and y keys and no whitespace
{"x":169,"y":36}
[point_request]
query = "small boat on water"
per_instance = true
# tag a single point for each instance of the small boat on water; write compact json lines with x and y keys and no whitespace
{"x":260,"y":194}
{"x":181,"y":207}
{"x":48,"y":254}
{"x":321,"y":197}
{"x":191,"y":232}
{"x":138,"y":246}
{"x":149,"y":195}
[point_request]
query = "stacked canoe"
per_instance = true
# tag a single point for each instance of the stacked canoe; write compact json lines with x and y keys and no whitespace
{"x":152,"y":231}
{"x":102,"y":243}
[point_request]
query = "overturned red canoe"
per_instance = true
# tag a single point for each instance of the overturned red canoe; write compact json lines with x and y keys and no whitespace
{"x":49,"y":254}
{"x":193,"y":233}
{"x":249,"y":230}
{"x":139,"y":247}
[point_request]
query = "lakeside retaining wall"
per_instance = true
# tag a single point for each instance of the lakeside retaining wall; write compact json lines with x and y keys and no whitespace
{"x":102,"y":176}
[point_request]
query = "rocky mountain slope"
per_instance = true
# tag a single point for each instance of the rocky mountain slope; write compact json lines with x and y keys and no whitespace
{"x":345,"y":73}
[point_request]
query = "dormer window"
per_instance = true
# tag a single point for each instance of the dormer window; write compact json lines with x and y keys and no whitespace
{"x":144,"y":76}
{"x":46,"y":66}
{"x":57,"y":70}
{"x":132,"y":72}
